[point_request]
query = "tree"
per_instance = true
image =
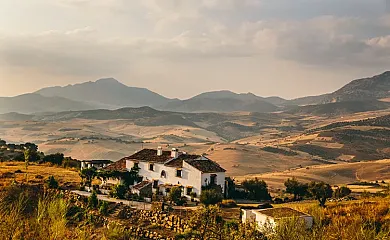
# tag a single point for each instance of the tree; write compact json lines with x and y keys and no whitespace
{"x":119,"y":191}
{"x":257,"y":189}
{"x":2,"y":143}
{"x":210,"y":197}
{"x":320,"y":191}
{"x":93,"y":200}
{"x":57,"y":158}
{"x":175,"y":195}
{"x":296,"y":188}
{"x":52,"y":183}
{"x":130,"y":177}
{"x":207,"y":223}
{"x":87,"y":174}
{"x":33,"y":147}
{"x":342,"y":192}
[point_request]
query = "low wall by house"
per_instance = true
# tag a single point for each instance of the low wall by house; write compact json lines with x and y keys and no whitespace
{"x":158,"y":218}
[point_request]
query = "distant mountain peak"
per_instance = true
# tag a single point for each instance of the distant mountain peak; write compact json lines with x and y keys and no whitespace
{"x":107,"y":80}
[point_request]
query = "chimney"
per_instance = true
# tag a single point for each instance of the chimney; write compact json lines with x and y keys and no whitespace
{"x":175,"y":153}
{"x":159,"y":151}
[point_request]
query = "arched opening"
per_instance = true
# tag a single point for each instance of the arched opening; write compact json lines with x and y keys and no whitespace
{"x":163,"y":174}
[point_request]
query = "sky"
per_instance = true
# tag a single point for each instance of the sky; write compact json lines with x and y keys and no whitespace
{"x":180,"y":48}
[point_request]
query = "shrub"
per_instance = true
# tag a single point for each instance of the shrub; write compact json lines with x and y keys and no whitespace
{"x":93,"y":201}
{"x":175,"y":195}
{"x":228,"y":203}
{"x":210,"y":197}
{"x":52,"y":183}
{"x":103,"y":209}
{"x":118,"y":191}
{"x":342,"y":192}
{"x":320,"y":191}
{"x":257,"y":189}
{"x":57,"y":158}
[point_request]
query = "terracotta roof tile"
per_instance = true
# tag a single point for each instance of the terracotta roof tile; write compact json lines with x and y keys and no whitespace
{"x":205,"y":166}
{"x":141,"y":185}
{"x":117,"y":166}
{"x":178,"y":162}
{"x":150,"y":155}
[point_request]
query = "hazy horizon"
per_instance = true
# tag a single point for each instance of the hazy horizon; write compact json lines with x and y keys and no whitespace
{"x":182,"y":48}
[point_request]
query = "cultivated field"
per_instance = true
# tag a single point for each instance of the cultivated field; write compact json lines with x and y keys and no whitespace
{"x":36,"y":174}
{"x":343,"y":173}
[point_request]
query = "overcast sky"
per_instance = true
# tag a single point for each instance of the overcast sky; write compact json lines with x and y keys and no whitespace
{"x":180,"y":48}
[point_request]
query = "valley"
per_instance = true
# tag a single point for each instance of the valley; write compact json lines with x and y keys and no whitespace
{"x":248,"y":135}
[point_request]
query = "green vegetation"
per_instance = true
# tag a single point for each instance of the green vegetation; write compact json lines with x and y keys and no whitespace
{"x":296,"y":188}
{"x":280,"y":151}
{"x":328,"y":154}
{"x":210,"y":197}
{"x":175,"y":196}
{"x":256,"y":189}
{"x":52,"y":183}
{"x":119,"y":191}
{"x":320,"y":191}
{"x":93,"y":201}
{"x":341,"y":192}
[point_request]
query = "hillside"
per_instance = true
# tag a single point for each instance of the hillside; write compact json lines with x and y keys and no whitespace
{"x":221,"y":101}
{"x":340,"y":108}
{"x":376,"y":87}
{"x":33,"y":103}
{"x":345,"y":173}
{"x":106,"y":93}
{"x":365,"y":89}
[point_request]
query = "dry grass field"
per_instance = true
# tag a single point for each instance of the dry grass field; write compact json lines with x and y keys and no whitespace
{"x":343,"y":173}
{"x":36,"y":174}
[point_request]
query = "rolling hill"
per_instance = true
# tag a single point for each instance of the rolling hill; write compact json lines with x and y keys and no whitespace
{"x":340,"y":108}
{"x":221,"y":101}
{"x":376,"y":87}
{"x":106,"y":93}
{"x":33,"y":103}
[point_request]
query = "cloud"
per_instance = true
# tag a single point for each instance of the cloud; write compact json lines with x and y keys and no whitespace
{"x":323,"y":41}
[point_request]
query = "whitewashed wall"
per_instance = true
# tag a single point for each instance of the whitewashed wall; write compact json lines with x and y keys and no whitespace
{"x":190,"y":175}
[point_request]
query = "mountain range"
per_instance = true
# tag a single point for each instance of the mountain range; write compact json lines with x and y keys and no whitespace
{"x":359,"y":95}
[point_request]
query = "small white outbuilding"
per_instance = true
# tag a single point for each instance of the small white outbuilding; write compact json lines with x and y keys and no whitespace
{"x":265,"y":218}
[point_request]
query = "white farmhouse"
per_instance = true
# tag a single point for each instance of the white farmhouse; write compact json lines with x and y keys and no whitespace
{"x":269,"y":218}
{"x":98,"y":164}
{"x":166,"y":169}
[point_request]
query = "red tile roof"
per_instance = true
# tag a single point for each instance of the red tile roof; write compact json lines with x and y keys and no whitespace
{"x":141,"y":185}
{"x":117,"y":166}
{"x":205,"y":166}
{"x":150,"y":155}
{"x":178,"y":162}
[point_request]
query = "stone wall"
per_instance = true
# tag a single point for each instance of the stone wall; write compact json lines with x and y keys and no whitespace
{"x":158,"y":218}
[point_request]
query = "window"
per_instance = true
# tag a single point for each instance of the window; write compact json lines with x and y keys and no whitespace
{"x":163,"y":174}
{"x":151,"y":167}
{"x":213,"y":179}
{"x":189,"y":190}
{"x":178,"y":173}
{"x":136,"y":165}
{"x":155,"y":184}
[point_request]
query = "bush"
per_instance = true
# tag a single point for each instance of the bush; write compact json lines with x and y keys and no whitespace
{"x":228,"y":203}
{"x":175,"y":196}
{"x":93,"y":201}
{"x":103,"y":209}
{"x":57,"y":158}
{"x":52,"y":183}
{"x":257,"y":189}
{"x":118,"y":191}
{"x":210,"y":197}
